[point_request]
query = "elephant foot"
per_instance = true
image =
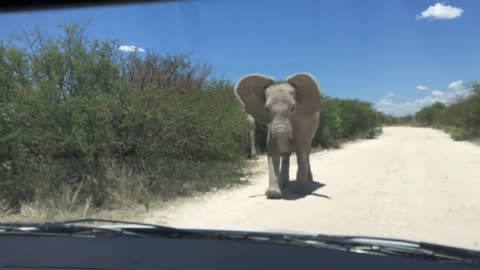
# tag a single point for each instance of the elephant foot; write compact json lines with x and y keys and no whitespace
{"x":273,"y":193}
{"x":284,"y":183}
{"x":303,"y":188}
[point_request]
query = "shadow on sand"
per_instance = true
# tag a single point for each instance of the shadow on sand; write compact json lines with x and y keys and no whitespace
{"x":289,"y":193}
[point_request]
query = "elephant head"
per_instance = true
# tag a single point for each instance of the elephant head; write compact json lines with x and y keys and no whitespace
{"x":278,"y":103}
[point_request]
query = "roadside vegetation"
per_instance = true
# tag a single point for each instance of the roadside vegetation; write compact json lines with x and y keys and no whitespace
{"x":460,"y":119}
{"x":85,"y":127}
{"x":389,"y":120}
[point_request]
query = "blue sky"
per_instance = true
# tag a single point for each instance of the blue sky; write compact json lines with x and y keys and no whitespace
{"x":378,"y":51}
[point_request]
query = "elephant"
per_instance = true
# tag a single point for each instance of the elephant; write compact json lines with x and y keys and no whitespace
{"x":291,"y":111}
{"x":252,"y":148}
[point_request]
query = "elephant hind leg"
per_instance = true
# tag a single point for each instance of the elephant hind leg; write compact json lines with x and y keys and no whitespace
{"x":284,"y":170}
{"x":304,"y":175}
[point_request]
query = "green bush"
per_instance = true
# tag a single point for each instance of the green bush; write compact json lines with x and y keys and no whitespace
{"x":389,"y":120}
{"x":459,"y":134}
{"x":329,"y":130}
{"x":346,"y":119}
{"x":70,"y":107}
{"x":430,"y":115}
{"x":461,"y":119}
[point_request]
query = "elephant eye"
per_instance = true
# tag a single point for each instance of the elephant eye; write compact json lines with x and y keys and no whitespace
{"x":267,"y":108}
{"x":293,"y":108}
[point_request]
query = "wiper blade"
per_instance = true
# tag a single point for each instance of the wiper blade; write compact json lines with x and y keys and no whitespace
{"x":71,"y":228}
{"x":112,"y":221}
{"x":394,"y":247}
{"x":368,"y":245}
{"x":143,"y":228}
{"x":61,"y":229}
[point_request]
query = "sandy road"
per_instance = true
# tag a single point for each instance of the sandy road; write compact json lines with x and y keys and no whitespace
{"x":411,"y":183}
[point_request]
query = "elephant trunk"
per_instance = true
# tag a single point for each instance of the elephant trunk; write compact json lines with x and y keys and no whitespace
{"x":282,"y":132}
{"x":283,"y":143}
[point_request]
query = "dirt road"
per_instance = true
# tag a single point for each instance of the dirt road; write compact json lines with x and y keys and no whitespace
{"x":410,"y":183}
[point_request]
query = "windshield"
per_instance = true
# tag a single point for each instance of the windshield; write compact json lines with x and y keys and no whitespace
{"x":328,"y":117}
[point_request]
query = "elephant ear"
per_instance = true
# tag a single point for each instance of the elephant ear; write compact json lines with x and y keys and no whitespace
{"x":250,"y":91}
{"x":307,"y":93}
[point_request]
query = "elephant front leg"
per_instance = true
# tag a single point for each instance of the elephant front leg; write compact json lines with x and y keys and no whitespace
{"x":303,"y":174}
{"x":273,"y":190}
{"x":253,"y":149}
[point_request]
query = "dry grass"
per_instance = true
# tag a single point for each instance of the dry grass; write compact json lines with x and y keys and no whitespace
{"x":51,"y":211}
{"x":31,"y":213}
{"x":129,"y":195}
{"x":126,"y":194}
{"x":63,"y":206}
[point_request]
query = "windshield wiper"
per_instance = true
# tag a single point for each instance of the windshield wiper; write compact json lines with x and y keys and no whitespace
{"x":414,"y":250}
{"x":374,"y":246}
{"x":71,"y":228}
{"x":367,"y":245}
{"x":145,"y":229}
{"x":59,"y":229}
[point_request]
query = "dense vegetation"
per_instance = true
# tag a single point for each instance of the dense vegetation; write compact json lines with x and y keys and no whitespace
{"x":346,"y":119}
{"x":77,"y":114}
{"x":84,"y":125}
{"x":461,"y":119}
{"x":390,"y":120}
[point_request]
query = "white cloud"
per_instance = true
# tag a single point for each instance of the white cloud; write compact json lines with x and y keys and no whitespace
{"x":456,"y":85}
{"x":130,"y":48}
{"x":437,"y":93}
{"x":388,"y":106}
{"x":422,"y":88}
{"x":459,"y":95}
{"x":457,"y":91}
{"x":441,"y":12}
{"x":386,"y":100}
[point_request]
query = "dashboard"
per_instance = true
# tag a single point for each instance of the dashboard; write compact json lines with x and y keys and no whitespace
{"x":62,"y":252}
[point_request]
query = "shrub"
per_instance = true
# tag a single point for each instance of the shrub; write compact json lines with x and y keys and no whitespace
{"x":71,"y":107}
{"x":346,"y":119}
{"x":461,"y":119}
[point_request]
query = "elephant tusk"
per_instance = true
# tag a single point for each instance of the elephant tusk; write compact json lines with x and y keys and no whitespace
{"x":281,"y":164}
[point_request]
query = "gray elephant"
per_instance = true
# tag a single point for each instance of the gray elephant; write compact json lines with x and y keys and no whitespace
{"x":291,"y":110}
{"x":252,"y":147}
